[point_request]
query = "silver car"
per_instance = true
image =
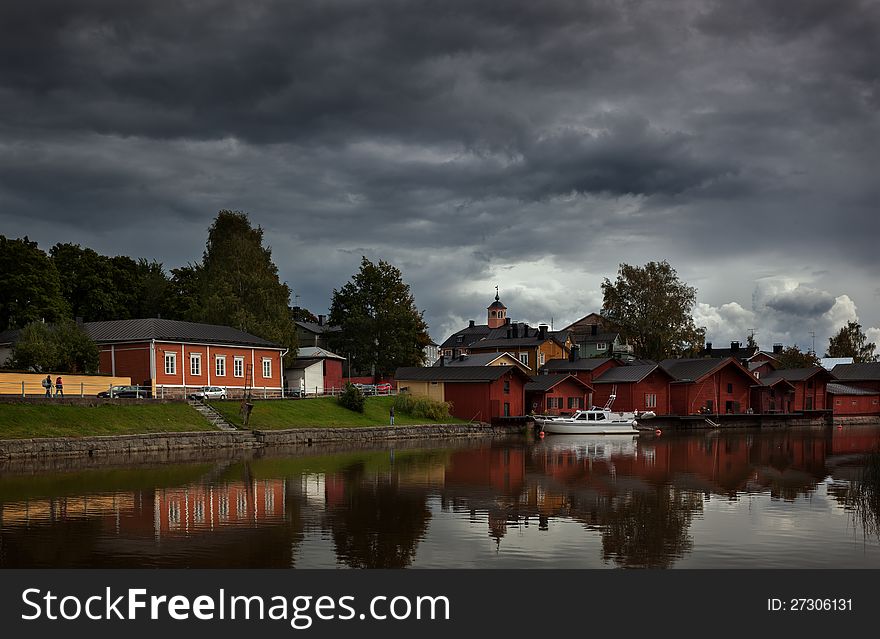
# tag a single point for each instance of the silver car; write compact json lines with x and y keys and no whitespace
{"x":209,"y":392}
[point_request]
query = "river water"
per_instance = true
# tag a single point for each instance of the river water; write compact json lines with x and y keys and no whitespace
{"x":738,"y":499}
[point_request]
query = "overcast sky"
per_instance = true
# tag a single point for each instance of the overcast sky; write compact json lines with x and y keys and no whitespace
{"x":532,"y":145}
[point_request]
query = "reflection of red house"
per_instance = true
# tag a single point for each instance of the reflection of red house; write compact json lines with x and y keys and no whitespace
{"x":773,"y":396}
{"x":557,"y":394}
{"x":851,"y":400}
{"x":204,"y":508}
{"x":708,"y":384}
{"x":809,"y":386}
{"x":501,"y":468}
{"x":638,"y":387}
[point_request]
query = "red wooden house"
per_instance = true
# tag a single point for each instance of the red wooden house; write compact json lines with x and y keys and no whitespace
{"x":557,"y":394}
{"x":774,"y":395}
{"x":638,"y":387}
{"x":479,"y":393}
{"x":173,"y":357}
{"x":852,"y":400}
{"x":708,"y":385}
{"x":809,"y":386}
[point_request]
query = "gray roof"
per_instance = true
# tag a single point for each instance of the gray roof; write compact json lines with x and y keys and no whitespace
{"x":580,"y":364}
{"x":543,"y":383}
{"x":453,"y":373}
{"x":477,"y":359}
{"x":301,"y":363}
{"x":743,"y":352}
{"x":469,"y":335}
{"x":624,"y":374}
{"x":314,"y":327}
{"x":869,"y":371}
{"x":691,"y":369}
{"x":137,"y":330}
{"x":793,"y":374}
{"x":843,"y":389}
{"x":317,"y":352}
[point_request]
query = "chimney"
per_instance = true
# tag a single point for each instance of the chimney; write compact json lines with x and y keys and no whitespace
{"x":708,"y":348}
{"x":734,"y":347}
{"x":442,"y":360}
{"x":777,"y":349}
{"x":594,"y":329}
{"x":542,"y":331}
{"x":507,"y":321}
{"x":471,"y":324}
{"x":320,"y":320}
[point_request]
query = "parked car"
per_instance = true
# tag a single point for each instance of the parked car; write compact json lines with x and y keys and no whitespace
{"x":209,"y":392}
{"x":125,"y":391}
{"x":383,"y":388}
{"x":366,"y":389}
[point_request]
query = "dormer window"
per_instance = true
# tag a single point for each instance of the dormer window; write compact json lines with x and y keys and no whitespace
{"x":459,"y":339}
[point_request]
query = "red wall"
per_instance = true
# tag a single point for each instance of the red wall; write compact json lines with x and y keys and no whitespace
{"x":802,"y":392}
{"x":132,"y":360}
{"x":333,"y":374}
{"x":688,"y":397}
{"x":854,"y":404}
{"x":563,"y":390}
{"x":631,"y":396}
{"x":483,"y":401}
{"x":184,"y":374}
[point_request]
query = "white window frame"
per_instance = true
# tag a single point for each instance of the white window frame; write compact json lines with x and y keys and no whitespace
{"x":524,"y":358}
{"x":650,"y":400}
{"x":171,"y":358}
{"x":220,"y":365}
{"x":267,"y":360}
{"x":541,"y":359}
{"x":195,"y":364}
{"x":238,"y":366}
{"x":601,"y":346}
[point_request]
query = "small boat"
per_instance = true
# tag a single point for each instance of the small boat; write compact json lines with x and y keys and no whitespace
{"x":597,"y":421}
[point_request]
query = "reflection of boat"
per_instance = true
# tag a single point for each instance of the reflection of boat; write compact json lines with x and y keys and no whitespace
{"x":599,"y":421}
{"x":593,"y":446}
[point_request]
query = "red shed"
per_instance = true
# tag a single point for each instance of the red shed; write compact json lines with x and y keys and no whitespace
{"x":716,"y":385}
{"x":638,"y":387}
{"x":851,"y":400}
{"x":586,"y":369}
{"x":773,"y":396}
{"x":557,"y":394}
{"x":809,"y":386}
{"x":479,"y":393}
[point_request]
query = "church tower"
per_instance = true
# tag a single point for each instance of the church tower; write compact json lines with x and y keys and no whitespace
{"x":497,"y":312}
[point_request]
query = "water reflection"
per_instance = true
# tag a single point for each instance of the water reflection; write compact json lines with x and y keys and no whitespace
{"x":569,"y":501}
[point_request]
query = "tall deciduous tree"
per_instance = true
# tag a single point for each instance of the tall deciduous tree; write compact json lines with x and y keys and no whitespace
{"x":652,"y":308}
{"x":62,"y":347}
{"x":381,"y":327}
{"x":793,"y":357}
{"x":237,"y":282}
{"x":850,"y":341}
{"x":30,"y":289}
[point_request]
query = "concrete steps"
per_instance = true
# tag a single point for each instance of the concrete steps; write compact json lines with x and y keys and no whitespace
{"x":217,"y":420}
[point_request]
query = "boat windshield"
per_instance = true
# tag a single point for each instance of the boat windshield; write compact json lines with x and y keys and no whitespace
{"x":592,"y":417}
{"x":600,"y":416}
{"x":582,"y":416}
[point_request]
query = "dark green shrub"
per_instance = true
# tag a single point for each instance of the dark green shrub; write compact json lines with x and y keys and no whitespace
{"x":352,"y":398}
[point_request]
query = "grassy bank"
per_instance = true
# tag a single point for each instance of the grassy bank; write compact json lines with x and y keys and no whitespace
{"x":45,"y":420}
{"x":322,"y":411}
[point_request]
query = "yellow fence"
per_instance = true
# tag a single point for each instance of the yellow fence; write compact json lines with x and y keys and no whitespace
{"x":31,"y":384}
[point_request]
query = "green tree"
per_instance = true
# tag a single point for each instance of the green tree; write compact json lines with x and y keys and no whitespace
{"x":62,"y":347}
{"x":381,"y":328}
{"x":750,"y":341}
{"x":652,"y":308}
{"x":793,"y":357}
{"x":237,"y":282}
{"x":850,"y":341}
{"x":30,"y":289}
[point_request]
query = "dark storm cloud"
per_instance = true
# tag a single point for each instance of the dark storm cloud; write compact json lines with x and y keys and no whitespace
{"x":459,"y":138}
{"x":802,"y":301}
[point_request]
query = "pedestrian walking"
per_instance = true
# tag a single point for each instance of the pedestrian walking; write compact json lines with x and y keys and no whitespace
{"x":392,"y":415}
{"x":59,"y":387}
{"x":47,"y":384}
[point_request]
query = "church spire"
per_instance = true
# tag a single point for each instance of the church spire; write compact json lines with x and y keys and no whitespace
{"x":496,"y":312}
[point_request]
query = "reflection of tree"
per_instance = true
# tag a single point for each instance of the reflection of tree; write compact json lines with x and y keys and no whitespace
{"x":380,"y":525}
{"x":863,"y":495}
{"x":649,"y":529}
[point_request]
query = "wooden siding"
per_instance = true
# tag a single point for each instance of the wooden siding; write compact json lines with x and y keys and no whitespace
{"x":89,"y":385}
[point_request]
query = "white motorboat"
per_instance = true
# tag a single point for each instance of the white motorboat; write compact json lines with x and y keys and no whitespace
{"x":598,"y":421}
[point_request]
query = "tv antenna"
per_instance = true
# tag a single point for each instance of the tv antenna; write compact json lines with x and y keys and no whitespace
{"x":813,"y":335}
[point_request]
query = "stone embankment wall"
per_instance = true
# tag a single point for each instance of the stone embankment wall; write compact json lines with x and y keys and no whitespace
{"x":160,"y":442}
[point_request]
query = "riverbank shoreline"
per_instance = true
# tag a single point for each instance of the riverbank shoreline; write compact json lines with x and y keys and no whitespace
{"x":239,"y":440}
